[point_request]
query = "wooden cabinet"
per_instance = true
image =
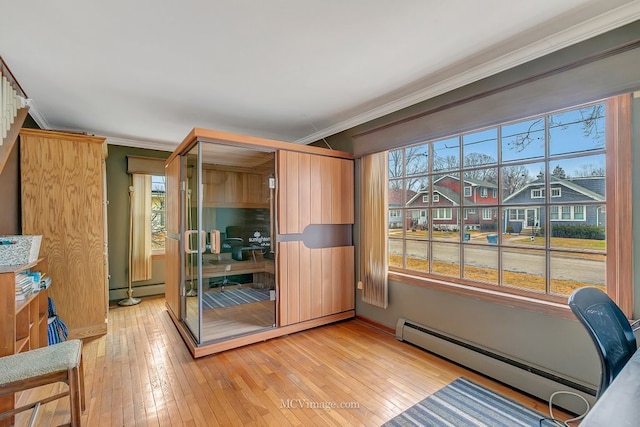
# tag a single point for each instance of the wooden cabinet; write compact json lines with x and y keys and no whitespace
{"x":23,"y":323}
{"x":63,"y":199}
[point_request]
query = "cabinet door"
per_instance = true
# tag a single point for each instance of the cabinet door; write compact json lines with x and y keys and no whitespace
{"x":63,"y":200}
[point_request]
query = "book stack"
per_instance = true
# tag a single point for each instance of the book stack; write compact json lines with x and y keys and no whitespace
{"x":45,"y":281}
{"x":24,"y":286}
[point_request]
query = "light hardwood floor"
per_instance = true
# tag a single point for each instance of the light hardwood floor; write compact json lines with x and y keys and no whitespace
{"x":141,"y":374}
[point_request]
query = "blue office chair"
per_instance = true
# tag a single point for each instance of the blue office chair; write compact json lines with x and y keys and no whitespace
{"x":609,"y":329}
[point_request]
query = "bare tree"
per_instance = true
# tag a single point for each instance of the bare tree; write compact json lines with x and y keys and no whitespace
{"x":395,"y":164}
{"x":486,"y":174}
{"x":442,"y":163}
{"x":414,"y":165}
{"x":591,"y":121}
{"x":589,"y":170}
{"x":514,"y":178}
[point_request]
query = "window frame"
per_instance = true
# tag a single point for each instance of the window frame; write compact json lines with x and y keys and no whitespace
{"x":618,"y":205}
{"x":537,"y":193}
{"x":162,"y":212}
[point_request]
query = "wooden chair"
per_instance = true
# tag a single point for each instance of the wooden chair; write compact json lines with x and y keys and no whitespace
{"x":46,"y":365}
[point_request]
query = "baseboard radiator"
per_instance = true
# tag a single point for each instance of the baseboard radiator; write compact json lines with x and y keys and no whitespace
{"x":520,"y":375}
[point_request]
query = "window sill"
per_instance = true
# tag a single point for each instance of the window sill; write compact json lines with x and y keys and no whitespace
{"x":157,"y":255}
{"x":536,"y":305}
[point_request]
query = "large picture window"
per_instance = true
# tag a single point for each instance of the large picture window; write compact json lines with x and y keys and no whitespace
{"x":542,"y":230}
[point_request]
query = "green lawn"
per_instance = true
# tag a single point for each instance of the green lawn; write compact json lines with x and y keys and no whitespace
{"x":539,"y":241}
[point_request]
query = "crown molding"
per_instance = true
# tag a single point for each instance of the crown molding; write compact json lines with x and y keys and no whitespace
{"x":113,"y":140}
{"x":138,"y":143}
{"x":36,"y":115}
{"x":599,"y":25}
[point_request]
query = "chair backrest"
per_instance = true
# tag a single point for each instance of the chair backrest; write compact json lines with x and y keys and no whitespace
{"x":609,"y":329}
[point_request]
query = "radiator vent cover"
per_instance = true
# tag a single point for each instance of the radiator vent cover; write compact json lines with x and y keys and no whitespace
{"x":518,"y":374}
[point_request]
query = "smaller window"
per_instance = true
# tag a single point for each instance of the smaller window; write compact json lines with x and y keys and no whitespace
{"x":494,"y":193}
{"x":436,"y":198}
{"x":566,"y":212}
{"x":158,"y":214}
{"x":487,"y":213}
{"x":537,"y":193}
{"x":425,"y":199}
{"x":472,"y":211}
{"x":484,"y":192}
{"x":556,"y":192}
{"x":516,"y":214}
{"x":442,"y":213}
{"x":554,"y":213}
{"x":467,"y":191}
{"x":578,"y":213}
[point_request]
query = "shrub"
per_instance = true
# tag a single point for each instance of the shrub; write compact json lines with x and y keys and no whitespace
{"x":592,"y":232}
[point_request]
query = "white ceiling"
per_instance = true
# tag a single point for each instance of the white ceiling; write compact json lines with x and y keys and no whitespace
{"x":144,"y":73}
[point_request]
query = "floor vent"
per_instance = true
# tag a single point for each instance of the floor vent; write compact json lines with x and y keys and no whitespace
{"x":515,"y":373}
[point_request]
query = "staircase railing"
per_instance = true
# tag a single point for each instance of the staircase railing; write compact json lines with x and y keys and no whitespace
{"x":13,"y":111}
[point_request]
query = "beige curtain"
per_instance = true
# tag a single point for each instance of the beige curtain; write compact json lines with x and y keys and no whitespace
{"x":140,"y":228}
{"x":374,"y":229}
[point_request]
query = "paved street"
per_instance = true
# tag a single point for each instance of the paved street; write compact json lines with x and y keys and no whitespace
{"x":521,"y":260}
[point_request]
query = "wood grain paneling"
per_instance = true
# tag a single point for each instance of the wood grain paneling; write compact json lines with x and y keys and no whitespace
{"x":315,"y":180}
{"x":172,"y":275}
{"x":314,"y":282}
{"x":234,"y":189}
{"x":172,"y":188}
{"x":62,"y":200}
{"x":619,"y":202}
{"x":313,"y":190}
{"x":347,"y":191}
{"x":172,"y":243}
{"x":326,"y":267}
{"x":326,"y":190}
{"x":304,"y":284}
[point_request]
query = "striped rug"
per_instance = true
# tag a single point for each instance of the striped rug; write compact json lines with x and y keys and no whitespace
{"x":465,"y":403}
{"x":217,"y":299}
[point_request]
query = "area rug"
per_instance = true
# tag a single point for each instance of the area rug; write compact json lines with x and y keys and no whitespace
{"x":465,"y":403}
{"x":217,"y":299}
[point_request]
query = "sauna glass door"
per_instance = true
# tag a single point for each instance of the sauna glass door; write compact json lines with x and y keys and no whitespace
{"x":238,"y":294}
{"x":193,"y":242}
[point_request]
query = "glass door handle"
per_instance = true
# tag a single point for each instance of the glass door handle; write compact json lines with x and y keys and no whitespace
{"x":272,"y":224}
{"x":187,"y":241}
